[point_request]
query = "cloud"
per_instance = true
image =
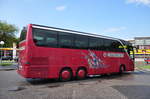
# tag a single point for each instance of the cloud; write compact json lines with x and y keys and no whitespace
{"x":114,"y":29}
{"x":61,"y":8}
{"x":144,"y":2}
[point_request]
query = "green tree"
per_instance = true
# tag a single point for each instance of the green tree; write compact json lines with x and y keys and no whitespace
{"x":8,"y":33}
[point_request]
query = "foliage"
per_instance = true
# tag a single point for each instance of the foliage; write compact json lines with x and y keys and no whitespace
{"x":5,"y":64}
{"x":145,"y":67}
{"x":7,"y":33}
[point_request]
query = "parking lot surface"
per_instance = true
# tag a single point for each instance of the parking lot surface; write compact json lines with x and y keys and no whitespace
{"x":130,"y":85}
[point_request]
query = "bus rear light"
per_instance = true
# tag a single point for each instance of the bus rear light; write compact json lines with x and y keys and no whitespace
{"x":27,"y":63}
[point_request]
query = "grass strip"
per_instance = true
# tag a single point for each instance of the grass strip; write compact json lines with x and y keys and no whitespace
{"x":5,"y":64}
{"x":144,"y":67}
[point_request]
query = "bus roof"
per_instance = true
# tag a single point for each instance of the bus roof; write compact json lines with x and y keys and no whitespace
{"x":74,"y":32}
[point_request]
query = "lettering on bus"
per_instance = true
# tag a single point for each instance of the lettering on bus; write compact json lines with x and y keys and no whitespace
{"x":94,"y":61}
{"x":117,"y":55}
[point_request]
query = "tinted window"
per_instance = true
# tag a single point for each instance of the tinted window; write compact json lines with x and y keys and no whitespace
{"x":118,"y":46}
{"x":81,"y":42}
{"x":23,"y":34}
{"x":65,"y":40}
{"x":107,"y":44}
{"x":113,"y":45}
{"x":43,"y":37}
{"x":95,"y":43}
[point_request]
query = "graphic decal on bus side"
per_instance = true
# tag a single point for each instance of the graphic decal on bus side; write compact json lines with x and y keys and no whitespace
{"x":94,"y":61}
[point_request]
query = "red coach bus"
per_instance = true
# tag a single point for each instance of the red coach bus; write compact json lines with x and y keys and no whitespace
{"x":48,"y":52}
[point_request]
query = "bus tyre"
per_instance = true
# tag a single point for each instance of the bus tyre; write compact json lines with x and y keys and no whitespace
{"x":81,"y":73}
{"x":122,"y":69}
{"x":65,"y":75}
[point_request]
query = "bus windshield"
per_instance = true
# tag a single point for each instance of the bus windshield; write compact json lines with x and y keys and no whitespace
{"x":130,"y":51}
{"x":129,"y":48}
{"x":23,"y":34}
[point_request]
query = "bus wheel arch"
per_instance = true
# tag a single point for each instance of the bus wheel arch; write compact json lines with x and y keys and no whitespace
{"x":81,"y":73}
{"x":65,"y":74}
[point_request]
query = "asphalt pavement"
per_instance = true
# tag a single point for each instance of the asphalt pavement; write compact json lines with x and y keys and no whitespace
{"x":130,"y":85}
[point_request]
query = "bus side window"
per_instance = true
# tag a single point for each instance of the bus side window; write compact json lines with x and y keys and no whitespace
{"x":38,"y":37}
{"x":43,"y":37}
{"x":112,"y":45}
{"x":95,"y":43}
{"x":81,"y":42}
{"x":39,"y":40}
{"x":107,"y":45}
{"x":51,"y":39}
{"x":120,"y":47}
{"x":65,"y":40}
{"x":116,"y":46}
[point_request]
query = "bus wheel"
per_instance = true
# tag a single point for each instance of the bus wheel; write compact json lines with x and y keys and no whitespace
{"x":122,"y":69}
{"x":81,"y":73}
{"x":65,"y":75}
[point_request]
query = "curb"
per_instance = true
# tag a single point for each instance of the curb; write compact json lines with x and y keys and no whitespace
{"x":7,"y":69}
{"x":142,"y":69}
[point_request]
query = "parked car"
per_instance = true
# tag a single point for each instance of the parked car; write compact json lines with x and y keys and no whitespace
{"x":147,"y":60}
{"x":7,"y":58}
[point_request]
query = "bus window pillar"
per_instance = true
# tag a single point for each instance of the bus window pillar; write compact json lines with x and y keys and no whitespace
{"x":5,"y":53}
{"x":14,"y":50}
{"x":1,"y":45}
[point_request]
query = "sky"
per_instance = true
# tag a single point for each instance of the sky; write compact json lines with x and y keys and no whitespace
{"x":123,"y":19}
